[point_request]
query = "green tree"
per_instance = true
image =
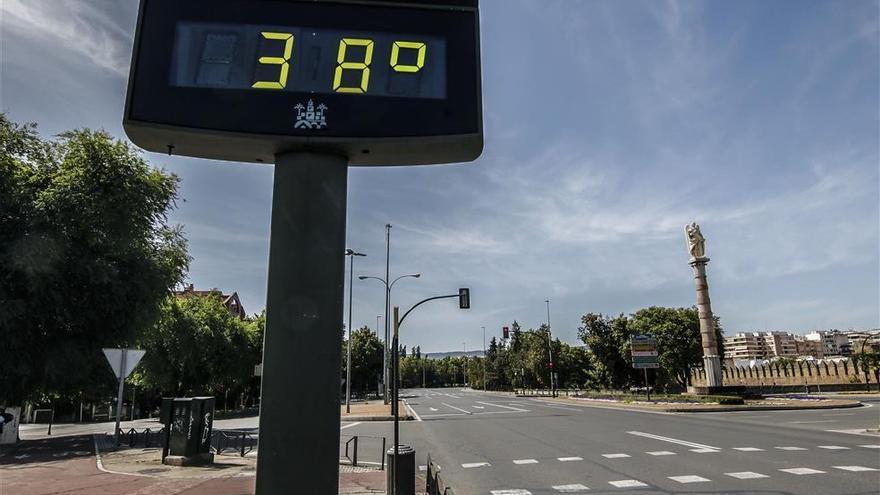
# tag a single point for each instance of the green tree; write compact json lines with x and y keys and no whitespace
{"x":86,"y":257}
{"x":198,"y":347}
{"x":607,"y":339}
{"x":366,"y":358}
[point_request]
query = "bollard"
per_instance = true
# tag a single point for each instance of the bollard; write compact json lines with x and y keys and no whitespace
{"x":405,"y":468}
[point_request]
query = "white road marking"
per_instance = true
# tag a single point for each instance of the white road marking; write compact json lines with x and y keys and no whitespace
{"x":689,"y":479}
{"x":748,"y":449}
{"x":704,"y":451}
{"x":573,"y":488}
{"x":511,"y":492}
{"x":503,"y":406}
{"x":479,"y":407}
{"x":22,"y":456}
{"x":833,"y":447}
{"x":854,"y":468}
{"x":870,"y":446}
{"x":615,"y":456}
{"x":856,"y":431}
{"x":525,"y":461}
{"x":570,"y":459}
{"x":412,"y":411}
{"x":813,"y":422}
{"x":456,"y":408}
{"x":469,"y":465}
{"x":423,"y":467}
{"x":661,"y":452}
{"x":802,"y":471}
{"x":790,"y":448}
{"x":349,"y":425}
{"x":552,"y":406}
{"x":673,"y":440}
{"x":433,"y":409}
{"x":746,"y":475}
{"x":627,"y":484}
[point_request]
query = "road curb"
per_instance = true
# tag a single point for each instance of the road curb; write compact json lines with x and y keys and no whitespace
{"x":353,"y":419}
{"x":793,"y":407}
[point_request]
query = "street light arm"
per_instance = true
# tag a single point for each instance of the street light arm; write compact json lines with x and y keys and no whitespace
{"x":413,"y":275}
{"x":400,"y":322}
{"x":364,"y":277}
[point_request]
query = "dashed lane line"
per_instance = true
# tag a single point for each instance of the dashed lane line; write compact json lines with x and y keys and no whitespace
{"x":673,"y":440}
{"x":661,"y":452}
{"x":573,"y":488}
{"x":833,"y":447}
{"x":690,"y":478}
{"x":746,"y":475}
{"x":478,"y":407}
{"x":748,"y":449}
{"x":855,"y":468}
{"x":801,"y":471}
{"x":615,"y":456}
{"x":570,"y":459}
{"x":789,"y":448}
{"x":470,"y":465}
{"x":870,"y":446}
{"x":627,"y":484}
{"x":525,"y":461}
{"x":705,"y":451}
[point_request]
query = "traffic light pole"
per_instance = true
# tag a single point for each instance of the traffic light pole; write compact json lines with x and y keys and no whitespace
{"x":301,"y":347}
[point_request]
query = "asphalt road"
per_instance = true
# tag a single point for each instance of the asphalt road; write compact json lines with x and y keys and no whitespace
{"x":500,"y":445}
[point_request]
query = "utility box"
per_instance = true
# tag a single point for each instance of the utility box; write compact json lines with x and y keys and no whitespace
{"x":189,"y":422}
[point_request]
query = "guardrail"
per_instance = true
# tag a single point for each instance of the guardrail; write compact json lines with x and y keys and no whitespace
{"x":352,"y":443}
{"x":146,"y":437}
{"x":241,"y":442}
{"x":434,"y":484}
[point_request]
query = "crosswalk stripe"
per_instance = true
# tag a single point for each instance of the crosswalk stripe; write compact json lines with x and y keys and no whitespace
{"x":691,"y":478}
{"x":525,"y":461}
{"x":748,"y":449}
{"x":615,"y":456}
{"x":661,"y":452}
{"x":746,"y":475}
{"x":705,"y":451}
{"x":569,"y":459}
{"x":870,"y":446}
{"x":469,"y":465}
{"x":790,"y":448}
{"x":833,"y":447}
{"x":573,"y":488}
{"x":802,"y":471}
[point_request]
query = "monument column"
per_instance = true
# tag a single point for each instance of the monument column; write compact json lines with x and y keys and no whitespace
{"x":711,"y":359}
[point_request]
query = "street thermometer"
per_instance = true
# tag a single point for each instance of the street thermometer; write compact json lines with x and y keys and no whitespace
{"x":313,"y":87}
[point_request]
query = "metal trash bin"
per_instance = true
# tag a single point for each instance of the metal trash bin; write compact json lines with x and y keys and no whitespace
{"x":406,"y":469}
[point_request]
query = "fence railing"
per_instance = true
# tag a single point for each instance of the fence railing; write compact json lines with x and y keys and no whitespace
{"x":145,"y":438}
{"x":434,"y":483}
{"x":353,"y":447}
{"x":234,"y":441}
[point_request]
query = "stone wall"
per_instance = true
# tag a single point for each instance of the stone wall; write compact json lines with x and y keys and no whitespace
{"x":795,"y":374}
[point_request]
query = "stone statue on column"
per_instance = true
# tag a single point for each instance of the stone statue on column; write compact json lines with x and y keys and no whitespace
{"x":711,"y":360}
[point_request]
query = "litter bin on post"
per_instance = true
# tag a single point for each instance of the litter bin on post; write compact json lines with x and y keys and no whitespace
{"x":189,"y":423}
{"x":406,"y":470}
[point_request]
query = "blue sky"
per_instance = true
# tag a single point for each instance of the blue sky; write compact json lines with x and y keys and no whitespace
{"x":609,"y":125}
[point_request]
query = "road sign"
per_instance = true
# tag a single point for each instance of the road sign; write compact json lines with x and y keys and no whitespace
{"x":115,"y":359}
{"x":381,"y":83}
{"x":643,"y":349}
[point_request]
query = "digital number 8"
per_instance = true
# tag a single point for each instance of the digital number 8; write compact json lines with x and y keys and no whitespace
{"x":361,"y":66}
{"x":284,"y":62}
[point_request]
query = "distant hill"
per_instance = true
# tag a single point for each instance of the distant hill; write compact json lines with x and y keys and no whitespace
{"x":441,"y":355}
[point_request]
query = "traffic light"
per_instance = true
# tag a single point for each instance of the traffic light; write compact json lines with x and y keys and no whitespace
{"x":505,"y":332}
{"x":464,"y":298}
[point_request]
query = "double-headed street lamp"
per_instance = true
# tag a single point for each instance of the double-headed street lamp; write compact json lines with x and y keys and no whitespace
{"x":351,"y":253}
{"x":387,"y":299}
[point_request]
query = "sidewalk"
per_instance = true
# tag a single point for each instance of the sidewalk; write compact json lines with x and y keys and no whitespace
{"x":69,"y":465}
{"x":374,"y":410}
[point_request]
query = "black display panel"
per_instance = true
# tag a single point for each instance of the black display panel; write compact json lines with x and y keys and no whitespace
{"x":384,"y":83}
{"x":288,"y":58}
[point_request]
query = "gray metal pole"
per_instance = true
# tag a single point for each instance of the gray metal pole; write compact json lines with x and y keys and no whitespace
{"x":119,"y":394}
{"x":485,"y":360}
{"x":348,"y":347}
{"x":550,"y":349}
{"x":385,"y":363}
{"x":299,"y":446}
{"x":394,"y":407}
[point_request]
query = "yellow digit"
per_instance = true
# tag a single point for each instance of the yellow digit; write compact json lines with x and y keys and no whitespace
{"x":284,"y":61}
{"x":412,"y":45}
{"x":361,"y":66}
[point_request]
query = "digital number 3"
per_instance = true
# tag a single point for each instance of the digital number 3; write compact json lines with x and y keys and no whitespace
{"x":284,"y":61}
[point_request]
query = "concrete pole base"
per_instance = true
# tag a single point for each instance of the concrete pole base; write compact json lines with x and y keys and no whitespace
{"x":712,"y":366}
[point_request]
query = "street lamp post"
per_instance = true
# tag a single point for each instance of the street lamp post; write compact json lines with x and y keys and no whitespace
{"x":388,"y":288}
{"x":464,"y":367}
{"x":351,"y":253}
{"x":550,"y":349}
{"x":385,"y":363}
